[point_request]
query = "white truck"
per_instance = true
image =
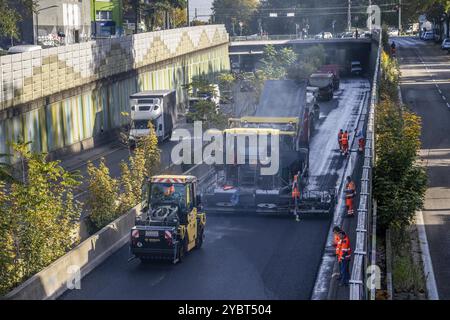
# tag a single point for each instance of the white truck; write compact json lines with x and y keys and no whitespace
{"x":157,"y":106}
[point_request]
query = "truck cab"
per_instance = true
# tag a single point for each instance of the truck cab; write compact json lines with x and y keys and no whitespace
{"x":157,"y":107}
{"x":325,"y":83}
{"x":171,"y":223}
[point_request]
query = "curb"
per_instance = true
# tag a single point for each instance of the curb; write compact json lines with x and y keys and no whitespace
{"x":426,"y":258}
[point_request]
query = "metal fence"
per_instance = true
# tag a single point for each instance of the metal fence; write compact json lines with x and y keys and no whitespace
{"x":366,"y":215}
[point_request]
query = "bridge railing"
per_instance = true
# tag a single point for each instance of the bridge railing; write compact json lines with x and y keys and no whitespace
{"x":285,"y":37}
{"x":366,"y":225}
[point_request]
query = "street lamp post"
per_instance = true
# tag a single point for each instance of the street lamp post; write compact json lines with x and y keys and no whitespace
{"x":37,"y":20}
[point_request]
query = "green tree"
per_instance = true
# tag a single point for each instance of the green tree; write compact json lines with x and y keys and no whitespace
{"x":310,"y":60}
{"x":38,"y":219}
{"x":277,"y":62}
{"x":12,"y":12}
{"x":207,"y":112}
{"x":399,"y":184}
{"x":144,"y":162}
{"x":233,"y":12}
{"x":103,"y":191}
{"x":151,"y":153}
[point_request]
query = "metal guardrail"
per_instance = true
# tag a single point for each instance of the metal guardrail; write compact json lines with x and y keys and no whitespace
{"x":287,"y":37}
{"x":358,"y":288}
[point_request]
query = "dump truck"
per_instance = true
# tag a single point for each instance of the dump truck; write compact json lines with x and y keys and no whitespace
{"x":241,"y":187}
{"x":172,"y":222}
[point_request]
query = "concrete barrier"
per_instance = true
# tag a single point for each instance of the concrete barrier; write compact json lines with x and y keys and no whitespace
{"x":66,"y":272}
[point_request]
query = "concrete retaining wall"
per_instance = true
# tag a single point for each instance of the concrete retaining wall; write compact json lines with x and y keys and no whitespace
{"x":82,"y":102}
{"x":61,"y":274}
{"x":29,"y":76}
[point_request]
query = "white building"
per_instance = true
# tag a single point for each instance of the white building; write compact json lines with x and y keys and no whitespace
{"x":62,"y":21}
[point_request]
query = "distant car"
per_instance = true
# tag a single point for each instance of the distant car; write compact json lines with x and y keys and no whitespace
{"x":348,"y":35}
{"x":367,"y":34}
{"x":393,"y":32}
{"x":356,"y":68}
{"x":429,"y":35}
{"x":23,"y":48}
{"x":323,"y":35}
{"x":409,"y":30}
{"x":445,"y":44}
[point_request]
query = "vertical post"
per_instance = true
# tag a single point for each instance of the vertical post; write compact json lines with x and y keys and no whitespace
{"x":399,"y":16}
{"x":95,"y":20}
{"x":187,"y":13}
{"x":136,"y":15}
{"x":370,"y":16}
{"x":349,"y":16}
{"x":37,"y":27}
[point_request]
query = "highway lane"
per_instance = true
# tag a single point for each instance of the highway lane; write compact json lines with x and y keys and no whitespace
{"x":243,"y":257}
{"x":425,"y":86}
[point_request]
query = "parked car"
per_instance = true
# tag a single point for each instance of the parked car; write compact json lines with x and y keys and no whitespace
{"x":445,"y":44}
{"x":348,"y":35}
{"x":429,"y":35}
{"x":23,"y":48}
{"x":356,"y":68}
{"x":393,"y":32}
{"x":323,"y":35}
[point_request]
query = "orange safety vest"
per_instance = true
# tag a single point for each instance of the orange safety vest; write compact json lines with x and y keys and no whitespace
{"x":340,"y":134}
{"x":343,"y":249}
{"x":362,"y":143}
{"x":336,"y":242}
{"x":295,"y":191}
{"x":344,"y":138}
{"x":350,"y":190}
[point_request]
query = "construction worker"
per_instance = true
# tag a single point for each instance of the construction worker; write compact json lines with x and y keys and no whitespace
{"x":345,"y":138}
{"x":361,"y":144}
{"x":340,"y":133}
{"x":295,"y":188}
{"x":169,"y":190}
{"x":344,"y":254}
{"x":350,"y":191}
{"x":296,"y":195}
{"x":337,"y":238}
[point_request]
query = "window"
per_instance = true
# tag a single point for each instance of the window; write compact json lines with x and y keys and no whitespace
{"x":103,"y":15}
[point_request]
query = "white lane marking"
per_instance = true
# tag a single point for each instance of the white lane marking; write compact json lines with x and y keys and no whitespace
{"x":426,"y":258}
{"x":432,"y":78}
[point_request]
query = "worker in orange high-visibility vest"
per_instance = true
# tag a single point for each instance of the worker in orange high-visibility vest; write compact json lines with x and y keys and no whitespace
{"x":361,"y":144}
{"x":340,"y":134}
{"x":295,"y":188}
{"x":344,"y":140}
{"x":350,"y":192}
{"x":336,"y":238}
{"x":344,"y":255}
